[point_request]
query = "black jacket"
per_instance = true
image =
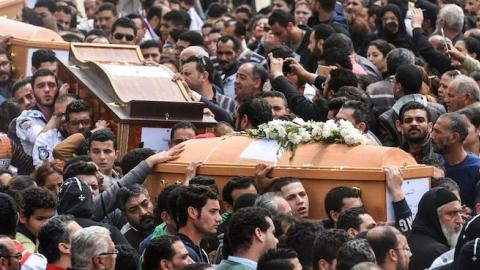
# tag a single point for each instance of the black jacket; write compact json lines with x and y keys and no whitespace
{"x":76,"y":199}
{"x":300,"y":105}
{"x":426,"y":239}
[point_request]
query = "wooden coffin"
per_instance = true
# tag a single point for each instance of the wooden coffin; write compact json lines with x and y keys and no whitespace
{"x":26,"y":39}
{"x":319,"y":166}
{"x":141,"y":102}
{"x":10,"y":8}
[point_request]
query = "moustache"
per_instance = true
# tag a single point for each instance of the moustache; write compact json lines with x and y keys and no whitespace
{"x":391,"y":27}
{"x":147,"y":218}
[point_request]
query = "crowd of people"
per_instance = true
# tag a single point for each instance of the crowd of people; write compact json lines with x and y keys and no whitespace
{"x":406,"y":74}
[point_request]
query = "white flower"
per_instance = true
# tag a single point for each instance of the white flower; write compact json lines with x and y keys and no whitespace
{"x":298,"y":121}
{"x":294,"y":138}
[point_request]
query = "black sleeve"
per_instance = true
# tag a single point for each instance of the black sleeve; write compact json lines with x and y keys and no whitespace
{"x":437,"y":60}
{"x":299,"y":104}
{"x":22,"y":161}
{"x":403,"y":216}
{"x":220,"y":114}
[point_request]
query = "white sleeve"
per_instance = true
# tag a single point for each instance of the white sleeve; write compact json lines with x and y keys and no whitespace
{"x":42,"y":149}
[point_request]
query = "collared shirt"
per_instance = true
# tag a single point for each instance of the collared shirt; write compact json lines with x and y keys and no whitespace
{"x":44,"y":144}
{"x":244,"y":261}
{"x":29,"y":124}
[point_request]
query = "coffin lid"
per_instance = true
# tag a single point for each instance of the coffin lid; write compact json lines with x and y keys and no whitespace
{"x":26,"y":31}
{"x":228,"y":150}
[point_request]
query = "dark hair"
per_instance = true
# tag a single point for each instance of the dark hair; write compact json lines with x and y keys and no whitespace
{"x":410,"y":78}
{"x":131,"y":159}
{"x":284,"y":181}
{"x":334,"y":56}
{"x":34,"y":198}
{"x":126,"y":23}
{"x":52,"y":233}
{"x":360,"y":111}
{"x":159,"y":249}
{"x":216,"y":10}
{"x":351,"y":218}
{"x":398,"y":57}
{"x":339,"y":41}
{"x":21,"y":182}
{"x":182,"y":125}
{"x":447,"y":183}
{"x":327,"y":5}
{"x":8,"y":215}
{"x":50,"y":4}
{"x":412,"y":105}
{"x":323,"y":31}
{"x":42,"y":73}
{"x":301,"y":237}
{"x":257,"y":110}
{"x":77,"y":106}
{"x":245,"y":200}
{"x":327,"y":244}
{"x":341,"y":77}
{"x":456,"y":123}
{"x":19,"y":84}
{"x":334,"y":198}
{"x":242,"y":225}
{"x":382,"y":45}
{"x":107,"y":6}
{"x":203,"y":180}
{"x":127,"y":257}
{"x":382,"y":241}
{"x":79,"y":168}
{"x":195,"y":196}
{"x":103,"y":135}
{"x":154,"y":11}
{"x":472,"y":114}
{"x":177,"y":18}
{"x":281,"y":17}
{"x":197,"y":266}
{"x":202,"y":64}
{"x":274,"y":94}
{"x":172,"y":202}
{"x":127,"y":192}
{"x":9,"y":110}
{"x":150,"y":44}
{"x":42,"y":172}
{"x":277,"y":259}
{"x":41,"y":56}
{"x":240,"y":27}
{"x":236,"y":43}
{"x":194,"y":38}
{"x":162,"y":202}
{"x":353,"y":252}
{"x":472,"y":45}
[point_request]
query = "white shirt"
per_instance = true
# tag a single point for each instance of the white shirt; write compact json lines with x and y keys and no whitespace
{"x":44,"y":144}
{"x":29,"y":124}
{"x":197,"y":22}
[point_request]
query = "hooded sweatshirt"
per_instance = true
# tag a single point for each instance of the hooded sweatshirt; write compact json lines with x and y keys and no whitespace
{"x":76,"y":199}
{"x":427,"y":240}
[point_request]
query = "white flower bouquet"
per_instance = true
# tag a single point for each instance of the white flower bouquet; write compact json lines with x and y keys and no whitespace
{"x":289,"y":134}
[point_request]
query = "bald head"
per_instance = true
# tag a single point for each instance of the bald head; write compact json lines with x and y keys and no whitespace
{"x":192,"y":51}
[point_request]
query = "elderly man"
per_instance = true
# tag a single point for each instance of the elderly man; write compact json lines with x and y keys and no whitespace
{"x":92,"y":248}
{"x":461,"y":92}
{"x":436,"y":227}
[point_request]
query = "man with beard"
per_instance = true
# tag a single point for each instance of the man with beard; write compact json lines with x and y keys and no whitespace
{"x":136,"y":206}
{"x":53,"y":132}
{"x":414,"y":125}
{"x":6,"y":81}
{"x":318,"y":35}
{"x":390,"y":247}
{"x":436,"y":227}
{"x":448,"y":135}
{"x":31,"y":122}
{"x":228,"y":54}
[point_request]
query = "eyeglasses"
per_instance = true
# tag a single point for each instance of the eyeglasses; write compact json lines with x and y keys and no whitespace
{"x":114,"y":252}
{"x":120,"y":36}
{"x":78,"y":122}
{"x":17,"y":256}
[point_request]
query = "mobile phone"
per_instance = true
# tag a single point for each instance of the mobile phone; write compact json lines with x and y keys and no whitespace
{"x":445,"y":40}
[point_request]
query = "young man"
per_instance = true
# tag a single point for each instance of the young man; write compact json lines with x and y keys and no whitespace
{"x":44,"y":59}
{"x":325,"y":248}
{"x":166,"y":253}
{"x":54,"y":241}
{"x":250,"y":234}
{"x":6,"y":76}
{"x":102,"y":149}
{"x":136,"y":206}
{"x":390,"y":247}
{"x":31,"y":122}
{"x":355,"y":220}
{"x":151,"y":50}
{"x":338,"y":200}
{"x":22,"y":92}
{"x":38,"y":206}
{"x":105,"y":15}
{"x":282,"y":258}
{"x":123,"y":32}
{"x":197,"y":214}
{"x":293,"y":191}
{"x":182,"y":131}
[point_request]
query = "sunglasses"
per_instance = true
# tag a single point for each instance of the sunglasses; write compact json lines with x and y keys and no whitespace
{"x":120,"y":36}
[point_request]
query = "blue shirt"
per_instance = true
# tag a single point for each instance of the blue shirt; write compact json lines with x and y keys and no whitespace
{"x":244,"y":261}
{"x":466,"y":174}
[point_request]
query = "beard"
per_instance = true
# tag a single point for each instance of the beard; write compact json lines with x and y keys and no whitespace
{"x":451,"y":235}
{"x":146,"y":223}
{"x":416,"y":138}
